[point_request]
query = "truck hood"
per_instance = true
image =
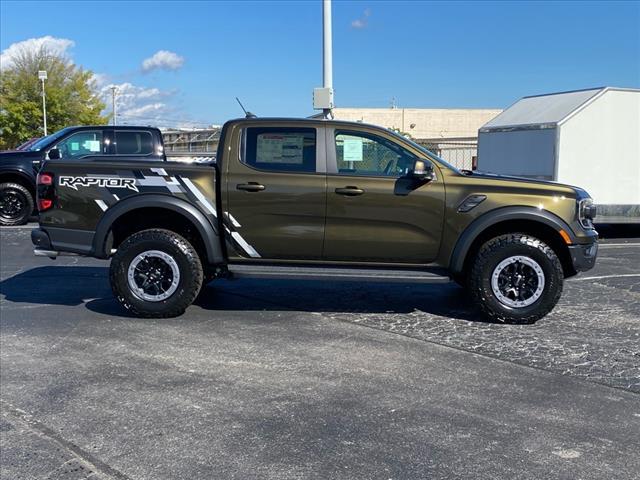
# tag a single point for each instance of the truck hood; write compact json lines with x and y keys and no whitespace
{"x":531,"y":182}
{"x":13,"y":155}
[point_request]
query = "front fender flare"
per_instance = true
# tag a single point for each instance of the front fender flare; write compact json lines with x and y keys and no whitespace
{"x":206,"y":229}
{"x":486,"y":220}
{"x":17,"y":171}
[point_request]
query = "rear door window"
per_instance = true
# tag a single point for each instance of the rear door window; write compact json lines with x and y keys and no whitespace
{"x":133,"y":142}
{"x":280,"y":149}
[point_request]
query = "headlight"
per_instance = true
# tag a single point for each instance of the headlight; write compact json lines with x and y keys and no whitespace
{"x":586,"y":212}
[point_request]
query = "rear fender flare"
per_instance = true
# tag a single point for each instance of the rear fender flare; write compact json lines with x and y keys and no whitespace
{"x":480,"y":224}
{"x":205,"y":228}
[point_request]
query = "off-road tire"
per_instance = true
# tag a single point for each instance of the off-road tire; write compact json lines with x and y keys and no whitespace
{"x":27,"y":199}
{"x":186,"y":258}
{"x":495,"y":251}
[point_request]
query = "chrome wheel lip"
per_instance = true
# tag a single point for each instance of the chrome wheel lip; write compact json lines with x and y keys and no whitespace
{"x":138,"y":291}
{"x":500,"y":295}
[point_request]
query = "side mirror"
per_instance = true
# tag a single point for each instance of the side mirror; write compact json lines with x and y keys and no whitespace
{"x":422,"y":171}
{"x":54,"y":154}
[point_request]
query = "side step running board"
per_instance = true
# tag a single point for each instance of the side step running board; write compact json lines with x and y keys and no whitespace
{"x":336,"y":274}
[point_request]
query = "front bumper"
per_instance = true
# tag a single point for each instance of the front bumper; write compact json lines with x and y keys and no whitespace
{"x":584,"y":256}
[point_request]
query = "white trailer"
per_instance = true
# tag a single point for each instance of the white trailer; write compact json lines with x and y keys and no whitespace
{"x":588,"y":138}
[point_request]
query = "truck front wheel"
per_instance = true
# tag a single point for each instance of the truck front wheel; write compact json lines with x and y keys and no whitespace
{"x":516,"y":278}
{"x":156,"y":274}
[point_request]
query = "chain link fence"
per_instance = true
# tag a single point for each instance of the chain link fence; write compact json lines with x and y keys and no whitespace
{"x":461,"y":153}
{"x":205,"y":140}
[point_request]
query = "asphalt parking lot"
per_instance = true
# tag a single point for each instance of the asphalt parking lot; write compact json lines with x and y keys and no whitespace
{"x":286,"y":379}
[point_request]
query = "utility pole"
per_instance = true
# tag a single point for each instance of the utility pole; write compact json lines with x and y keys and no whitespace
{"x":323,"y":97}
{"x":327,"y":46}
{"x":42,"y":75}
{"x":114,"y":91}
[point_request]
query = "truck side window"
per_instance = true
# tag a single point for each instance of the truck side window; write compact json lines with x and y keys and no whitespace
{"x":280,"y":149}
{"x":360,"y":153}
{"x":133,"y":142}
{"x":81,"y":144}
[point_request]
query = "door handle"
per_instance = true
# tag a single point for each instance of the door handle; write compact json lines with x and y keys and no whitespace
{"x":250,"y":187}
{"x":349,"y":191}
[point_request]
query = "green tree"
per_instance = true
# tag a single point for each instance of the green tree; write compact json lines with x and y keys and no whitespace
{"x":72,"y":97}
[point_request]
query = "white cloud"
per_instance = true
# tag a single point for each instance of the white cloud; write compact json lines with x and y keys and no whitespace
{"x":58,"y":46}
{"x":138,"y":105}
{"x":162,"y":60}
{"x":135,"y":104}
{"x":100,"y":80}
{"x":363,"y":21}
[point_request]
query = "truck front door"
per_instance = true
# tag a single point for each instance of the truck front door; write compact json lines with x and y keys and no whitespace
{"x":276,"y":192}
{"x":375,"y":213}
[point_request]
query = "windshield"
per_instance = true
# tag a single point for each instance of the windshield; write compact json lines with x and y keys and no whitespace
{"x":46,"y":141}
{"x":429,"y":153}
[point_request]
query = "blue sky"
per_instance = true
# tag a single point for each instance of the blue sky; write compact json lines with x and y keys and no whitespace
{"x":425,"y":54}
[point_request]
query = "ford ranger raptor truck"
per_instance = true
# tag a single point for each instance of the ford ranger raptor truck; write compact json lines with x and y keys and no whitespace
{"x":316,"y":199}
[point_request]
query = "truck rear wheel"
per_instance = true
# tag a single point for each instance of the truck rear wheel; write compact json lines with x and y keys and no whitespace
{"x":16,"y":204}
{"x":156,"y":274}
{"x":516,"y":278}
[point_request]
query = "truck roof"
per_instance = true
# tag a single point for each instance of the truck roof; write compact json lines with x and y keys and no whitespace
{"x":112,"y":127}
{"x":309,"y":120}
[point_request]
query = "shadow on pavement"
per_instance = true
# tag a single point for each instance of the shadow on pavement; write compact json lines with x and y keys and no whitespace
{"x":448,"y":300}
{"x":52,"y":285}
{"x":75,"y":285}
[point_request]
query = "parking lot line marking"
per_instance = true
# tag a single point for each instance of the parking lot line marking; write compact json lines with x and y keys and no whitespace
{"x":618,"y":245}
{"x":608,"y":276}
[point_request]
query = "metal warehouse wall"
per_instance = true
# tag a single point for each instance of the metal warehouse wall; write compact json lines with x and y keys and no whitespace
{"x":422,"y":123}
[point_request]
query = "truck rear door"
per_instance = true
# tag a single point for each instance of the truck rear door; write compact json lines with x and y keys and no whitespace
{"x":275,"y":190}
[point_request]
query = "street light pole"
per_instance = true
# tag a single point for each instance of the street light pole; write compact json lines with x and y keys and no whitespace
{"x":323,"y":97}
{"x":42,"y":75}
{"x":327,"y":46}
{"x":113,"y":102}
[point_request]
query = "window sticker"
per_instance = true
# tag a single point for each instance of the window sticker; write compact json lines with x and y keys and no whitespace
{"x":280,"y":148}
{"x":352,"y":149}
{"x":92,"y":145}
{"x":75,"y":146}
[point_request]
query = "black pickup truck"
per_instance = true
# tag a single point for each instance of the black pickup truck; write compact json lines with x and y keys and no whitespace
{"x":317,"y":199}
{"x":18,"y":168}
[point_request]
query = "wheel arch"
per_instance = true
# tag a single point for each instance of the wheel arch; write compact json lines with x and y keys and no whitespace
{"x":139,"y":207}
{"x":540,"y":223}
{"x":20,"y":177}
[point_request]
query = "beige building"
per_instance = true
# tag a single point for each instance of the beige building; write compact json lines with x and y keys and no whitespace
{"x":423,"y":123}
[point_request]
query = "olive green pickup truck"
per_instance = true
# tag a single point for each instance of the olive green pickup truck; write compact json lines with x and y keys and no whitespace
{"x":316,"y":199}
